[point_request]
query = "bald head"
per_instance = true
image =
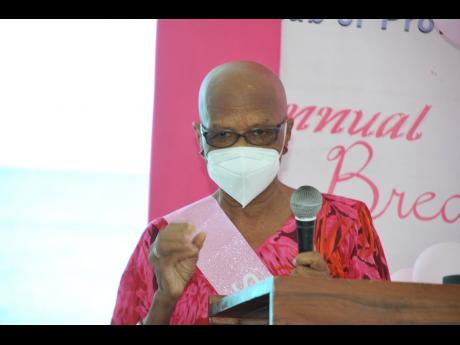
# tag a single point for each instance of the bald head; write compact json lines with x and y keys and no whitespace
{"x":241,"y":94}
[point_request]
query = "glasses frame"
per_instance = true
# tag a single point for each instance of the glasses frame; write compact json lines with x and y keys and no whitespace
{"x":204,"y":131}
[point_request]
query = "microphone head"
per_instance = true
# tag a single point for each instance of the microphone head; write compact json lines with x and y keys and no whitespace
{"x":306,"y":201}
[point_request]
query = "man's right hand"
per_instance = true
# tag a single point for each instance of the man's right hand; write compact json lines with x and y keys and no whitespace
{"x":174,"y":255}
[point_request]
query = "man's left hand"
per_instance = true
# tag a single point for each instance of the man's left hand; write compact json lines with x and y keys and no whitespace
{"x":310,"y":264}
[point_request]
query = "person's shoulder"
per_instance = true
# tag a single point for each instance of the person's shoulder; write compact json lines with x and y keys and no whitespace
{"x":335,"y":199}
{"x":156,"y":224}
{"x":341,"y":206}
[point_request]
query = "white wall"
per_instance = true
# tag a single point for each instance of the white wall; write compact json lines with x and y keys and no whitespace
{"x":76,"y":102}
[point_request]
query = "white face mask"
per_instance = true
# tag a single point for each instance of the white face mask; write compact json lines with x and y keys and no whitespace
{"x":244,"y":172}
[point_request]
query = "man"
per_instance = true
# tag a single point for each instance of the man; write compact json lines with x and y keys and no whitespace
{"x":243,"y":119}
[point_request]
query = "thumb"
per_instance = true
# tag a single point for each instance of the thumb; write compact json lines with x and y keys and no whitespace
{"x":198,"y":240}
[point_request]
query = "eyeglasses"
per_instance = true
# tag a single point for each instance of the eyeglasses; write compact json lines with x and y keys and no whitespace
{"x":255,"y":136}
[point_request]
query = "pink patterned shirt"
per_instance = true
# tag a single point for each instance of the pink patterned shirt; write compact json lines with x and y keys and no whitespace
{"x":344,"y":236}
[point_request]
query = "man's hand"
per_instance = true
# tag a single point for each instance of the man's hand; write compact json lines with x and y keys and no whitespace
{"x":174,"y":255}
{"x":310,"y":264}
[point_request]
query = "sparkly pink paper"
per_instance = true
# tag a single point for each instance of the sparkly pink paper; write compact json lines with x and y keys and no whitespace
{"x":226,"y":259}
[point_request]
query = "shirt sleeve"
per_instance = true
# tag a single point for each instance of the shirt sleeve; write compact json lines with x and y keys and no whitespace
{"x":367,"y":259}
{"x":137,"y":284}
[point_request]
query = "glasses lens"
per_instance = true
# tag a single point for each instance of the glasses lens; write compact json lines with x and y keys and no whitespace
{"x":262,"y":136}
{"x":221,"y":138}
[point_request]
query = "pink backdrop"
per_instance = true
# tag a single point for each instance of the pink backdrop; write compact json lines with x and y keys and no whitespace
{"x":186,"y":51}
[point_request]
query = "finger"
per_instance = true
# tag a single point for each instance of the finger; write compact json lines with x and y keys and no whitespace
{"x":307,"y":258}
{"x":319,"y":265}
{"x":305,"y":271}
{"x":198,"y":241}
{"x":179,"y":256}
{"x":167,"y":247}
{"x":171,"y":251}
{"x":172,"y":259}
{"x":184,"y":228}
{"x":178,"y":231}
{"x":176,"y":238}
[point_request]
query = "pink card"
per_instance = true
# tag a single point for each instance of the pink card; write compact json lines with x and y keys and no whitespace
{"x":226,"y":259}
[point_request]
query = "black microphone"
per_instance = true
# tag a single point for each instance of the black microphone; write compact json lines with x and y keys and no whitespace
{"x":306,"y":202}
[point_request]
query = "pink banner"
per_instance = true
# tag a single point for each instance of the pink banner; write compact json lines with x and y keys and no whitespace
{"x":186,"y":51}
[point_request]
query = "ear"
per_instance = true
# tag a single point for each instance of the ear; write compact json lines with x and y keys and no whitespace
{"x":196,"y":127}
{"x":290,"y":125}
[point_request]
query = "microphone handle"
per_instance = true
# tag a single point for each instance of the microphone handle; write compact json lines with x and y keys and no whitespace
{"x":305,"y":232}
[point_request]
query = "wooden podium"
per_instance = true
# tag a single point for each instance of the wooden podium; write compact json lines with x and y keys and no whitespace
{"x":299,"y":300}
